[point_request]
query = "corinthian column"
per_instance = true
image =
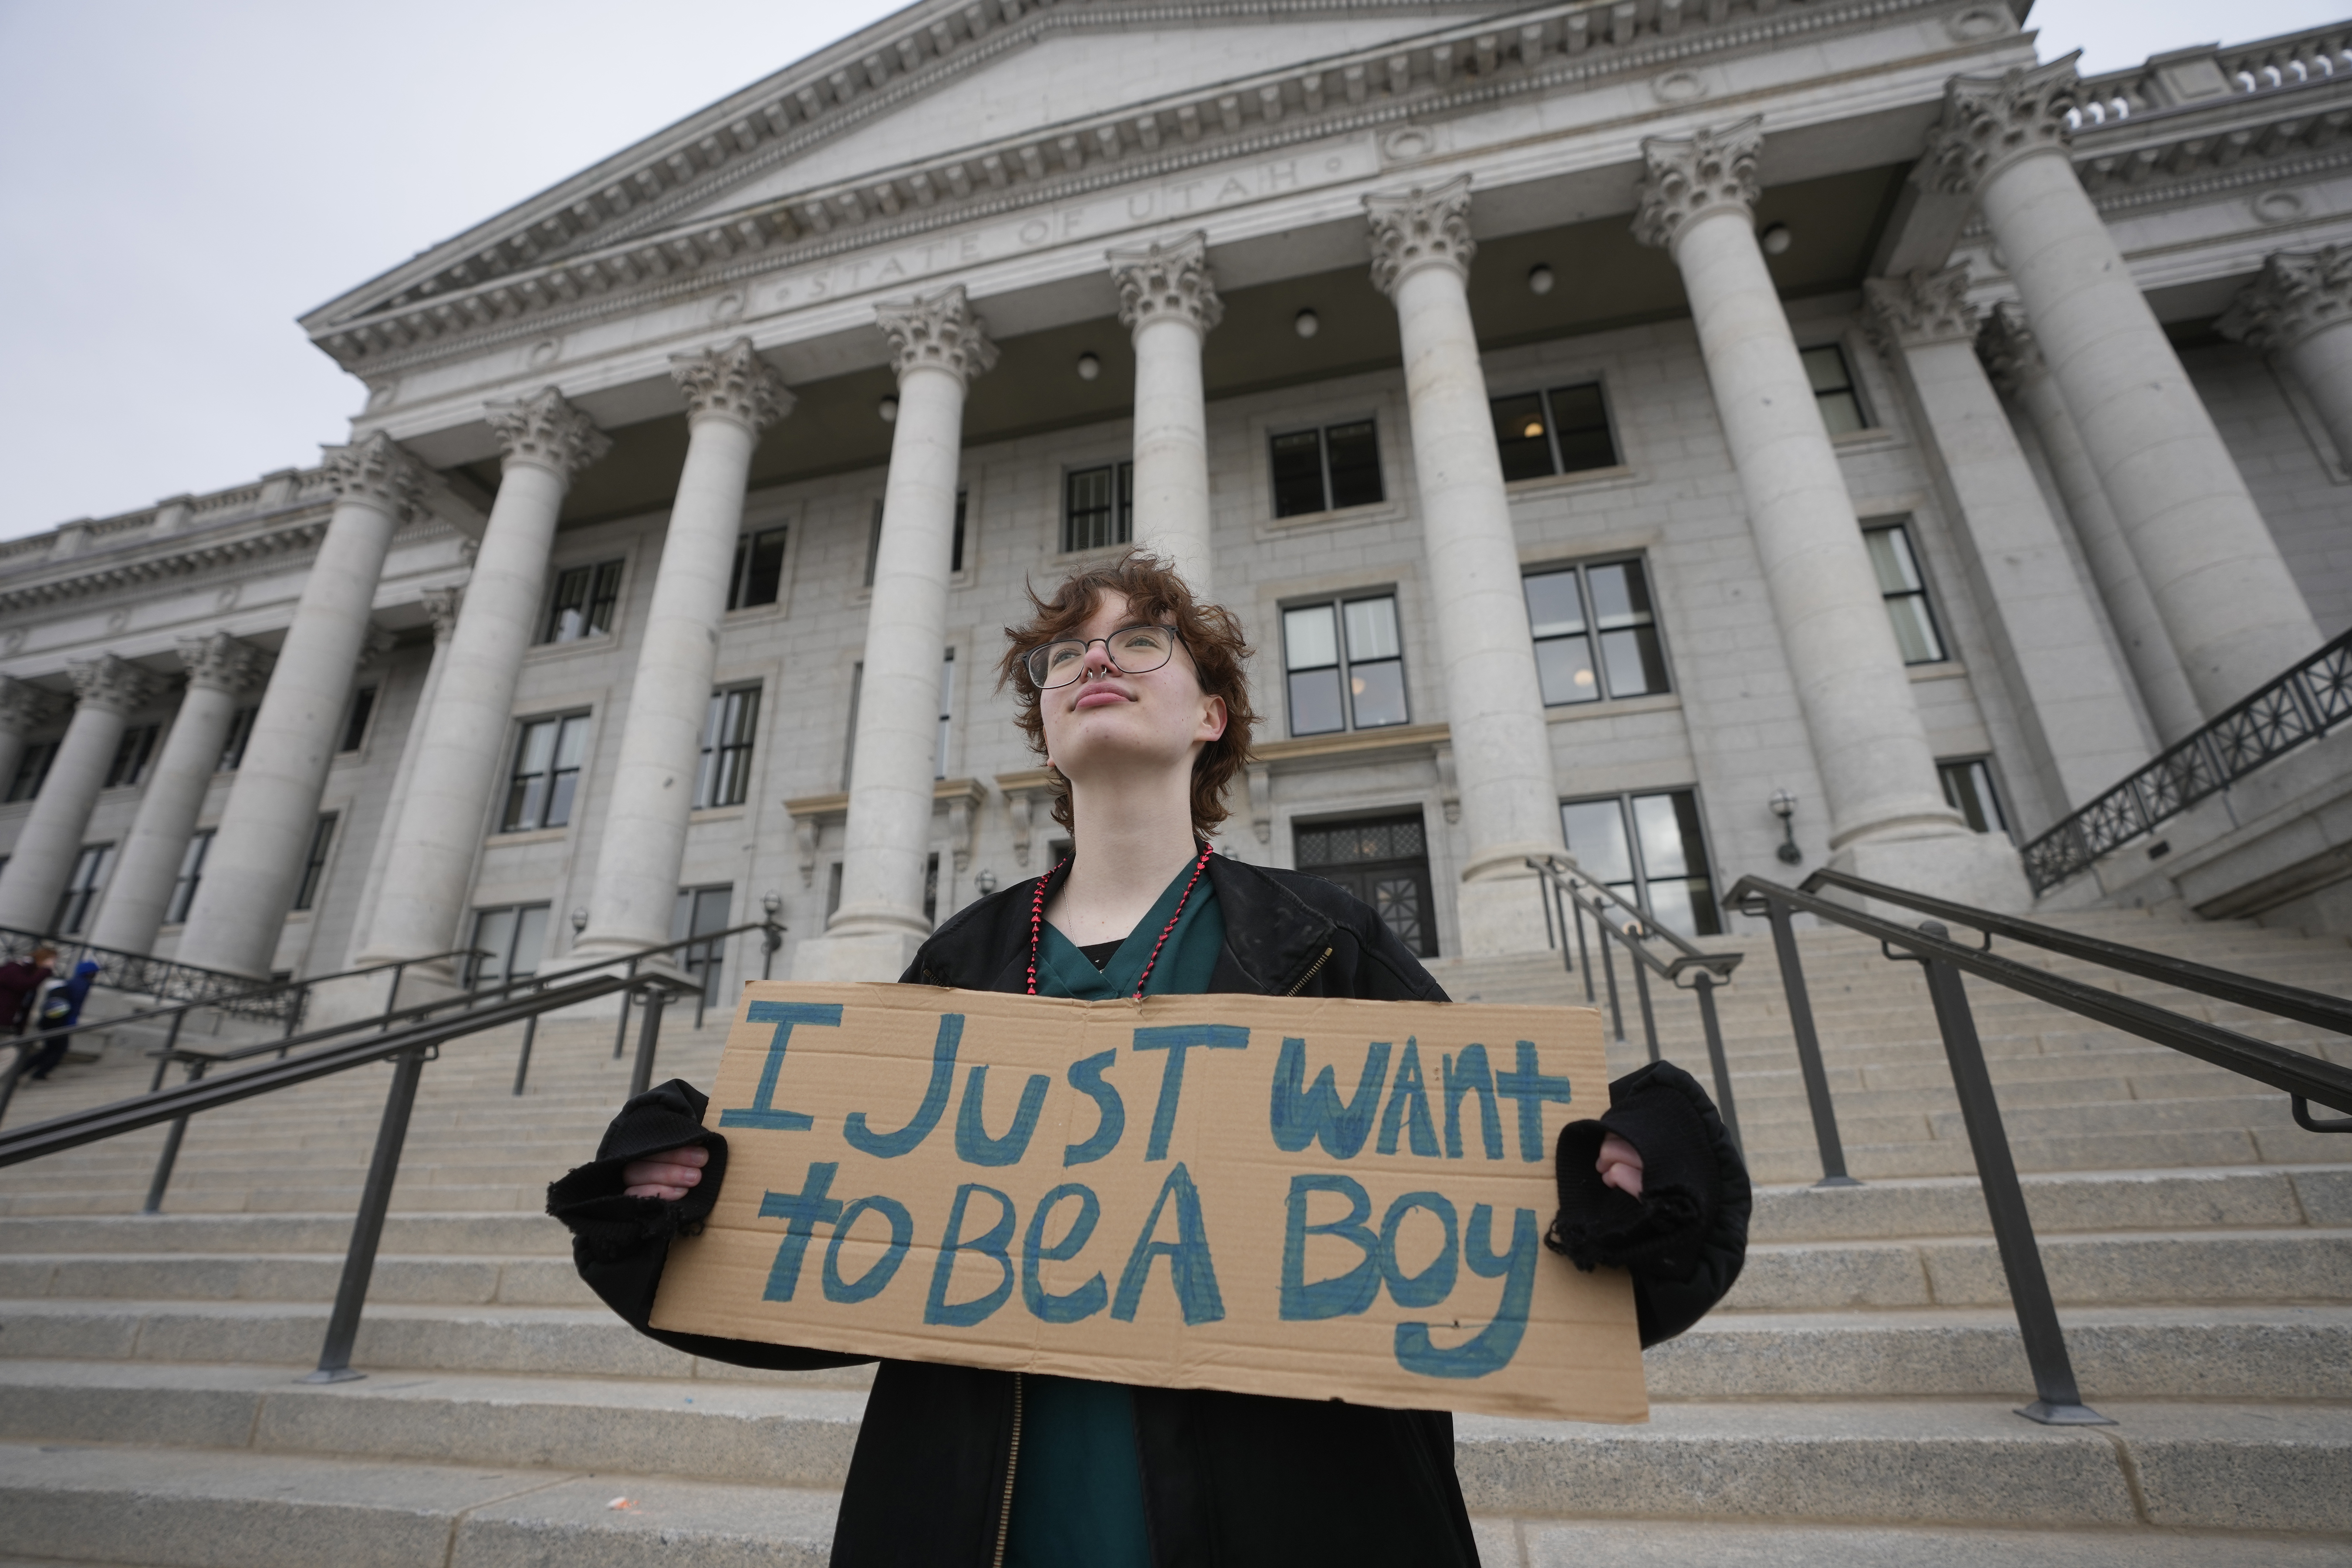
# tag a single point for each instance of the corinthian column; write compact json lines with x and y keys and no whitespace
{"x":255,"y":861}
{"x":1170,"y":302}
{"x":2072,"y":700}
{"x":2234,"y":613}
{"x":107,"y":690}
{"x":2014,"y":360}
{"x":2298,"y":309}
{"x":1888,"y":819}
{"x":442,"y":812}
{"x":222,"y":673}
{"x":936,"y":346}
{"x":1502,"y":749}
{"x":23,"y":707}
{"x":731,"y":395}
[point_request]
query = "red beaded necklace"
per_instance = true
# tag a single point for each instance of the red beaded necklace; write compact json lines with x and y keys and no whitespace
{"x":1037,"y":918}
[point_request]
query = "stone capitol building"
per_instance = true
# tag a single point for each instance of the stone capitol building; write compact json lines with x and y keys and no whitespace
{"x":1669,"y":431}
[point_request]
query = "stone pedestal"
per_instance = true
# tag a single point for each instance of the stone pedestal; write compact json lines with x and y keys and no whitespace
{"x":2072,"y":700}
{"x":107,"y":691}
{"x":2234,"y":615}
{"x":256,"y":862}
{"x":2007,"y":347}
{"x":1169,"y":302}
{"x":445,"y":806}
{"x":731,"y":395}
{"x":1422,"y":251}
{"x":1869,"y":743}
{"x":222,"y":673}
{"x":937,"y":347}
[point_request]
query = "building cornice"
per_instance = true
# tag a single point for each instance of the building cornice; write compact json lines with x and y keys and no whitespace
{"x":1444,"y":72}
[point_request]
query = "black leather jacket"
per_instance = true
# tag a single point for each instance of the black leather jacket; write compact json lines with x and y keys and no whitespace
{"x":1232,"y":1480}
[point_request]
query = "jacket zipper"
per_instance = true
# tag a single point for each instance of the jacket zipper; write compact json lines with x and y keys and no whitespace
{"x":1012,"y":1468}
{"x":1310,"y":974}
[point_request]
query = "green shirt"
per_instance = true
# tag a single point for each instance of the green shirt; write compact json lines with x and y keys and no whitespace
{"x":1077,"y":1490}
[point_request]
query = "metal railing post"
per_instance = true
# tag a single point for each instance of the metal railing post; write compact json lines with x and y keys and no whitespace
{"x":1584,"y":952}
{"x":641,"y":1071}
{"x":621,"y":1034}
{"x":523,"y":1063}
{"x":367,"y":1225}
{"x":1550,"y":894}
{"x":1704,"y":983}
{"x":1641,"y":996}
{"x":1808,"y":1048}
{"x":391,"y":997}
{"x":2059,"y":1402}
{"x":1608,"y":967}
{"x":702,"y":988}
{"x":171,"y":1155}
{"x":771,"y":937}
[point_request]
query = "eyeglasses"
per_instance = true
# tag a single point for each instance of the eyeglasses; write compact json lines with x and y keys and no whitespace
{"x":1132,"y":651}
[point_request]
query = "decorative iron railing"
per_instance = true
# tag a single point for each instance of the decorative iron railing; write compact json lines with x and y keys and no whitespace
{"x":238,"y":996}
{"x":2301,"y":705}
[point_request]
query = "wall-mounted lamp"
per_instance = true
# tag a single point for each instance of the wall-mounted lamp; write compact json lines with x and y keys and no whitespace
{"x":888,"y":409}
{"x":1089,"y":367}
{"x":1307,"y":323}
{"x":774,"y":904}
{"x":1784,"y":806}
{"x":1776,"y":239}
{"x":579,"y":921}
{"x":1539,"y":278}
{"x":985,"y":882}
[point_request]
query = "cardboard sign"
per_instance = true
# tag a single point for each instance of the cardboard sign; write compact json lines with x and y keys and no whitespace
{"x":1313,"y":1198}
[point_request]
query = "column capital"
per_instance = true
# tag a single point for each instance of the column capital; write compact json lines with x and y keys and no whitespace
{"x":2295,"y":294}
{"x":1990,"y":122}
{"x":378,"y":471}
{"x":441,"y":605}
{"x":113,"y":684}
{"x":1920,"y":308}
{"x":1420,"y":228}
{"x":731,"y":382}
{"x":223,"y":663}
{"x":1167,"y":281}
{"x":25,"y":706}
{"x":2005,"y":344}
{"x":545,"y":429}
{"x":1684,"y":177}
{"x":938,"y":331}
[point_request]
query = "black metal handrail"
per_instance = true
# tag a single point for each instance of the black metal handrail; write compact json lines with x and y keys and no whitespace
{"x":773,"y":938}
{"x":1571,"y":894}
{"x":299,"y":990}
{"x":2305,"y":1078}
{"x":408,"y":1048}
{"x":2301,"y":705}
{"x":144,"y":975}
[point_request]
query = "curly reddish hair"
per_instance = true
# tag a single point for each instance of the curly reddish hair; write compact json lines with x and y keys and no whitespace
{"x":1212,"y":636}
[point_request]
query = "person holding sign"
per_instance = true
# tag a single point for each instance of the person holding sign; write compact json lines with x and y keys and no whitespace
{"x":1136,"y":696}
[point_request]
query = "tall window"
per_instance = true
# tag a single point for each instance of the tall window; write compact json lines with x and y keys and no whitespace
{"x":355,"y":722}
{"x":725,"y":778}
{"x":314,"y":864}
{"x":955,"y":547}
{"x":1323,"y":470}
{"x":509,"y":941}
{"x":131,"y":756}
{"x":1905,"y":592}
{"x":585,"y":600}
{"x":698,"y":912}
{"x":1562,"y":431}
{"x":240,"y":731}
{"x":1968,"y":786}
{"x":1573,"y":609}
{"x":1346,"y":665}
{"x":32,"y":768}
{"x":1098,"y":507}
{"x":1651,"y":849}
{"x":1834,"y":390}
{"x":947,"y":712}
{"x":191,"y":871}
{"x":759,"y":570}
{"x":546,"y":773}
{"x":82,"y":888}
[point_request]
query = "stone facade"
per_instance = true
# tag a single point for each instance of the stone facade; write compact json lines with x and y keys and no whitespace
{"x":1402,"y":329}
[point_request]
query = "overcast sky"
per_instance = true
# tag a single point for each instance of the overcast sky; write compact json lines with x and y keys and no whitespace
{"x":185,"y":179}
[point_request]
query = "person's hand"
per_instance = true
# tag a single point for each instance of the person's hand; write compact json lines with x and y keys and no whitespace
{"x":1619,"y":1166}
{"x":674,"y":1172}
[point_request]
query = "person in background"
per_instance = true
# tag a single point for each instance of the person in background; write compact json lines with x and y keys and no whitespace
{"x":61,"y":1009}
{"x":20,"y":982}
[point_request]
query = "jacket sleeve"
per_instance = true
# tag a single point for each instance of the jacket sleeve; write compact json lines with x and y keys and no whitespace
{"x":620,"y":1243}
{"x":1685,"y":1237}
